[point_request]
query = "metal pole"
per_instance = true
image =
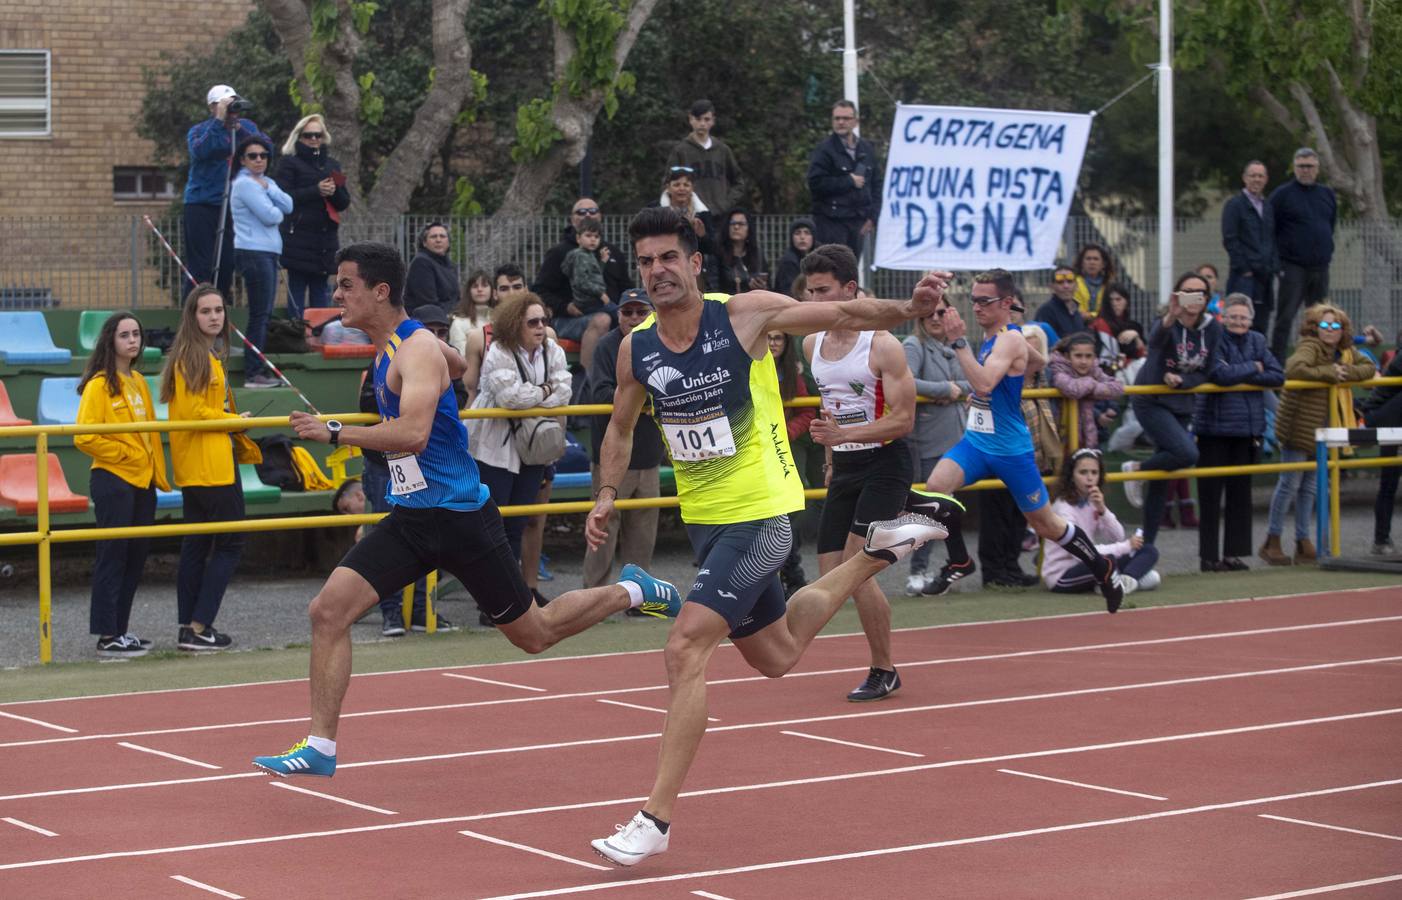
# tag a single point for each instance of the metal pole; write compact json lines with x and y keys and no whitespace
{"x":849,"y":54}
{"x":41,"y":470}
{"x":135,"y":238}
{"x":1165,"y":149}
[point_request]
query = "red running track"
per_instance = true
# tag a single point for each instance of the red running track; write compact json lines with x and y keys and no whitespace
{"x":1234,"y":750}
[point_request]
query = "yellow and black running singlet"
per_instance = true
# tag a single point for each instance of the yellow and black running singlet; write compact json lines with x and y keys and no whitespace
{"x":722,"y":422}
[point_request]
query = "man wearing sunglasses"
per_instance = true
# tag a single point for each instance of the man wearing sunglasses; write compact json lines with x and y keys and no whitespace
{"x":715,"y":175}
{"x":996,"y":442}
{"x":1060,"y":310}
{"x":553,"y":286}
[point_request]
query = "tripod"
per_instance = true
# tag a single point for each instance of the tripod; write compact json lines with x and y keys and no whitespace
{"x":231,"y":123}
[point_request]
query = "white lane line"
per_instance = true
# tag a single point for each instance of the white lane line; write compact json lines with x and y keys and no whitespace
{"x":523,"y":687}
{"x":618,"y":739}
{"x":183,"y":879}
{"x":34,"y":828}
{"x":1331,"y":888}
{"x":39,"y":722}
{"x":815,"y":737}
{"x":536,"y":850}
{"x":627,"y":802}
{"x":932,"y":845}
{"x":301,"y":790}
{"x":1390,"y":837}
{"x":646,"y":708}
{"x":1082,"y":784}
{"x":708,"y":895}
{"x":184,"y":759}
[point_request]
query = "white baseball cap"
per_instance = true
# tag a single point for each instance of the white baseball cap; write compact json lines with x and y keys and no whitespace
{"x":219,"y":92}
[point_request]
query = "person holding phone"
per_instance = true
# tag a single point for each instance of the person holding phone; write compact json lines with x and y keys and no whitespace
{"x":311,"y":232}
{"x":1180,"y":352}
{"x":742,"y":265}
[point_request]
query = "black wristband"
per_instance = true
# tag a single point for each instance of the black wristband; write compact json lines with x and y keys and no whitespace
{"x":609,"y":487}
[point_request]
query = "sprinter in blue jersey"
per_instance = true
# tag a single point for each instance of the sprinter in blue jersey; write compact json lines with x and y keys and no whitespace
{"x":441,"y":516}
{"x":996,"y":441}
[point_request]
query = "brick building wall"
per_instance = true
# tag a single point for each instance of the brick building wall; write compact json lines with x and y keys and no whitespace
{"x":97,"y":53}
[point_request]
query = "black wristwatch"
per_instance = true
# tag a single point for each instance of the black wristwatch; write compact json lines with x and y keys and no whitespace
{"x":958,"y":344}
{"x":334,"y":427}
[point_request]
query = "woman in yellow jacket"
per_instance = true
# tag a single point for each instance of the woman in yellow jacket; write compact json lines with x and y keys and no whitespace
{"x":127,"y":467}
{"x":196,"y":387}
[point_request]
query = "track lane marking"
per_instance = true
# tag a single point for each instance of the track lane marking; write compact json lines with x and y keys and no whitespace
{"x":1082,"y":784}
{"x":830,"y":740}
{"x":1331,"y":888}
{"x":616,"y":739}
{"x":310,"y":793}
{"x":645,"y":708}
{"x":712,"y":683}
{"x":184,"y":759}
{"x":34,"y":828}
{"x":935,"y":845}
{"x":41,"y":723}
{"x":536,"y":850}
{"x":708,"y":895}
{"x":1390,"y":837}
{"x":521,"y":687}
{"x":630,"y":801}
{"x":185,"y":879}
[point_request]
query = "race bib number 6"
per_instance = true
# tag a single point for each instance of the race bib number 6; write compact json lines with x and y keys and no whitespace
{"x":405,"y":476}
{"x":980,"y":416}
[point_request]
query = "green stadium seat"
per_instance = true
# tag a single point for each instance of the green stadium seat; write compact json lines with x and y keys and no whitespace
{"x":90,"y":322}
{"x":254,"y":490}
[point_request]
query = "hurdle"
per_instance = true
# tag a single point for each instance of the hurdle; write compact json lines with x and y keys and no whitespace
{"x":1327,"y":505}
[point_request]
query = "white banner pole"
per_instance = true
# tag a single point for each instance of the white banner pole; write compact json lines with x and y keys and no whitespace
{"x":1165,"y":149}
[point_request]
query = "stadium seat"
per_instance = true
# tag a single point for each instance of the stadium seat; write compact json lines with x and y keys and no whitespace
{"x":254,"y":490}
{"x":320,"y":315}
{"x":569,"y":346}
{"x":90,"y":322}
{"x":25,"y":340}
{"x":347,"y":351}
{"x":7,"y":409}
{"x":565,"y":480}
{"x":169,"y":499}
{"x":58,"y":401}
{"x":19,"y":486}
{"x":162,"y":409}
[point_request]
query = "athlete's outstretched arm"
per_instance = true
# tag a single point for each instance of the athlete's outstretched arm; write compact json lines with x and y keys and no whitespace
{"x":617,"y":447}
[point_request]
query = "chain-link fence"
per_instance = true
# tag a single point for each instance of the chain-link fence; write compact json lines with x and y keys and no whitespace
{"x":115,"y":261}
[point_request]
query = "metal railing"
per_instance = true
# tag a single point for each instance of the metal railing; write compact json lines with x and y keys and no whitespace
{"x":44,"y":536}
{"x":110,"y":262}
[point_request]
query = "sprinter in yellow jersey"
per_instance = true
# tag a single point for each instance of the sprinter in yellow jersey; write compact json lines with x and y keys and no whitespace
{"x":704,"y":366}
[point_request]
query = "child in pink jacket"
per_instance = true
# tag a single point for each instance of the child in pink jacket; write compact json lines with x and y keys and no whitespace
{"x":1080,"y":500}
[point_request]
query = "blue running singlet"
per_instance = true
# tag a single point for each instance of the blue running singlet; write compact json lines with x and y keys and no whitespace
{"x":996,"y":425}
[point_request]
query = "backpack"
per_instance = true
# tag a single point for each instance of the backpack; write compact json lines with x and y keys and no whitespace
{"x":540,"y":440}
{"x":286,"y":336}
{"x":277,"y":468}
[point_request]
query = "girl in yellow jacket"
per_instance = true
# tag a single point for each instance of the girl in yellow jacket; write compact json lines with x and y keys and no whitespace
{"x":127,"y":468}
{"x":196,"y":387}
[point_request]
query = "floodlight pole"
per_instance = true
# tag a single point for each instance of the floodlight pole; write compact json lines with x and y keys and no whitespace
{"x":1165,"y":80}
{"x":849,"y":55}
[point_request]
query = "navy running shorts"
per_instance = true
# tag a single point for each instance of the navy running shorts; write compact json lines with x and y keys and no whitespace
{"x":739,"y":574}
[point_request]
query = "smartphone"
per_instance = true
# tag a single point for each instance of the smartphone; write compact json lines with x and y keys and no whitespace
{"x":1190,"y":296}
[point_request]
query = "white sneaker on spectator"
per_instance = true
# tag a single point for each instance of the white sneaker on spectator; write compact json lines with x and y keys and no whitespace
{"x":916,"y":583}
{"x":633,"y":843}
{"x":1151,"y":580}
{"x":1134,"y":490}
{"x":1129,"y":583}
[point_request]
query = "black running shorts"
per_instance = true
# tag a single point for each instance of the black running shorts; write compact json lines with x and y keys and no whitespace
{"x":409,"y":543}
{"x":867,"y":486}
{"x":739,"y":574}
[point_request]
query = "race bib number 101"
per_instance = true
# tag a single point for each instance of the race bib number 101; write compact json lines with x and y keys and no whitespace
{"x":701,"y":440}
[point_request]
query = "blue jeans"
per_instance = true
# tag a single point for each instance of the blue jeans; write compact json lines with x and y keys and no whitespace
{"x":1175,"y":449}
{"x":307,"y":285}
{"x":117,"y":569}
{"x":208,"y":561}
{"x":259,"y":270}
{"x":1297,"y":488}
{"x":375,"y":481}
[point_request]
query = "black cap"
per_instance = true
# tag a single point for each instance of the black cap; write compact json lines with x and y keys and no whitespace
{"x":431,"y":314}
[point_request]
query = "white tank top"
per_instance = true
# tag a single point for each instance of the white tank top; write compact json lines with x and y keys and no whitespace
{"x":850,"y":391}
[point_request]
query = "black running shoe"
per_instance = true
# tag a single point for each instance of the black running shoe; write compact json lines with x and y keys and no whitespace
{"x":939,"y":507}
{"x":202,"y":641}
{"x":1111,"y":589}
{"x":880,"y":683}
{"x":441,"y":623}
{"x":951,"y":573}
{"x":393,"y":624}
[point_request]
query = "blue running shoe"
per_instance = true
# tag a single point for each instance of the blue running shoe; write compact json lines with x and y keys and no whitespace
{"x":660,"y":598}
{"x":300,"y":760}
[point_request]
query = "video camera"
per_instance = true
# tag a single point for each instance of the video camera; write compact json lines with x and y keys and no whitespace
{"x":239,"y":106}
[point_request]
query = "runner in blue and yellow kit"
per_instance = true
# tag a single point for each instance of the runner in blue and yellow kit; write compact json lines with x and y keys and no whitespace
{"x":702,"y":366}
{"x":996,"y":441}
{"x":441,"y":516}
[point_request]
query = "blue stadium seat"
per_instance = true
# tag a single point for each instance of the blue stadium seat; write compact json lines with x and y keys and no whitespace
{"x":25,"y":340}
{"x":58,"y":401}
{"x":564,"y":480}
{"x":169,"y":499}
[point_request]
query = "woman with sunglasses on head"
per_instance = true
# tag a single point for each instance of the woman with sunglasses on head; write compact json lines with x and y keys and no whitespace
{"x":258,"y":206}
{"x":1080,"y":499}
{"x":677,"y":192}
{"x":311,"y":234}
{"x":127,"y":468}
{"x":1324,"y":353}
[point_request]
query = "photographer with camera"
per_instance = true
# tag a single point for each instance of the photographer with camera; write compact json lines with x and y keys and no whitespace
{"x":211,"y":145}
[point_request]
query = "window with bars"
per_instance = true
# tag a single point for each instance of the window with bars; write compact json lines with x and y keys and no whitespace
{"x":142,"y":183}
{"x":24,"y":93}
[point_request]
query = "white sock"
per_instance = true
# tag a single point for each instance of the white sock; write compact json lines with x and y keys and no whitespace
{"x":635,"y":593}
{"x":324,"y":746}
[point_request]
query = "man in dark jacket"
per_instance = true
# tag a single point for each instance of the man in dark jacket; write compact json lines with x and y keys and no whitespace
{"x":634,"y":530}
{"x":1248,"y":236}
{"x":211,"y":152}
{"x":552,"y":285}
{"x":1305,"y":215}
{"x":311,"y":234}
{"x":715,"y":175}
{"x":844,"y":179}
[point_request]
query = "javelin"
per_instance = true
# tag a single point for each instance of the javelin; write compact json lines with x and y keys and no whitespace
{"x":247,"y":343}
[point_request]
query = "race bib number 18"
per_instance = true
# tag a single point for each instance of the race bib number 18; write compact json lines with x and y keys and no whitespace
{"x":405,"y":476}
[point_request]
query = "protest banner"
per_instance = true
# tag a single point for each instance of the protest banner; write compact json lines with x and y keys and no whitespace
{"x":970,"y":188}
